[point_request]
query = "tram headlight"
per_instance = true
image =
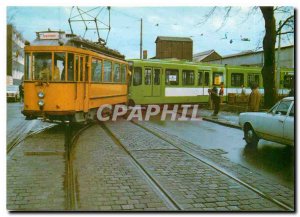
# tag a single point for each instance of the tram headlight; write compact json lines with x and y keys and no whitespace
{"x":41,"y":103}
{"x":41,"y":95}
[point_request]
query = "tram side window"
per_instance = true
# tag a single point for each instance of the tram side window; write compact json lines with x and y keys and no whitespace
{"x":188,"y":77}
{"x":123,"y":74}
{"x":172,"y":77}
{"x":237,"y":79}
{"x":81,"y":66}
{"x":156,"y":79}
{"x":107,"y":71}
{"x":253,"y":78}
{"x":137,"y":76}
{"x":59,"y":65}
{"x":218,"y":78}
{"x":200,"y":78}
{"x":206,"y":79}
{"x":117,"y":73}
{"x":42,"y":66}
{"x":96,"y":70}
{"x":288,"y":81}
{"x":70,"y":67}
{"x":148,"y":73}
{"x":86,"y":68}
{"x":28,"y":67}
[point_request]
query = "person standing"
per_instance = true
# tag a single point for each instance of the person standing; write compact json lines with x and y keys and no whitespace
{"x":243,"y":92}
{"x":215,"y":100}
{"x":21,"y":91}
{"x":221,"y":92}
{"x":254,"y":99}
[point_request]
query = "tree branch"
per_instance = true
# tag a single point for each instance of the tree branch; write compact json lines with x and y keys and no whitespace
{"x":284,"y":23}
{"x":284,"y":33}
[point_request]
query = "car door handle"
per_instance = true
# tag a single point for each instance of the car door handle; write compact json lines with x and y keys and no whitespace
{"x":281,"y":121}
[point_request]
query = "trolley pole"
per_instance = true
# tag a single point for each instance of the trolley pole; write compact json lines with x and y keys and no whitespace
{"x":141,"y":40}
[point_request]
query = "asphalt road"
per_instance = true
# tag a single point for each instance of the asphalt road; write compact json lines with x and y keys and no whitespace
{"x":270,"y":159}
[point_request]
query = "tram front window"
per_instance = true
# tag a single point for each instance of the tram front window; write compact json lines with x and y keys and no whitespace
{"x":59,"y":64}
{"x":42,"y":66}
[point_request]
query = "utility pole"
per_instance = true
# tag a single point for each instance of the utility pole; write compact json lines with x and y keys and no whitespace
{"x":141,"y":40}
{"x":278,"y":60}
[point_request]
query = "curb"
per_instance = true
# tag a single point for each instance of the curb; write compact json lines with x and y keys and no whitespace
{"x":217,"y":122}
{"x":222,"y":123}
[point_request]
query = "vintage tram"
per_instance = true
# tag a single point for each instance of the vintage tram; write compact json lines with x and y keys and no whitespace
{"x":67,"y":78}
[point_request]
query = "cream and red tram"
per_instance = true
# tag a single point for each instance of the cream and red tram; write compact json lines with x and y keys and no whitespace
{"x":67,"y":78}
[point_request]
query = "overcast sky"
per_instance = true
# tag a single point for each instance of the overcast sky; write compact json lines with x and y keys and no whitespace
{"x":157,"y":21}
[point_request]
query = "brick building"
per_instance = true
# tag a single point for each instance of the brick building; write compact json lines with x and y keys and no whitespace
{"x":174,"y":47}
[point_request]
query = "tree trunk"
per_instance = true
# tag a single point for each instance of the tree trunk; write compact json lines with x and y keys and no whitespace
{"x":268,"y":70}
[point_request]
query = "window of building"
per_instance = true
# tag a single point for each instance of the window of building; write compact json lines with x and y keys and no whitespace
{"x":188,"y":77}
{"x":237,"y":79}
{"x":42,"y":65}
{"x":107,"y":71}
{"x":123,"y":74}
{"x":117,"y":73}
{"x":96,"y":74}
{"x":253,"y":78}
{"x":148,"y":72}
{"x":137,"y":76}
{"x":172,"y":77}
{"x":218,"y":78}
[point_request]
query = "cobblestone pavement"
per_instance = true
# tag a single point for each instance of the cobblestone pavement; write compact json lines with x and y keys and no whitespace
{"x":267,"y":185}
{"x":107,"y":179}
{"x":35,"y":170}
{"x":192,"y":184}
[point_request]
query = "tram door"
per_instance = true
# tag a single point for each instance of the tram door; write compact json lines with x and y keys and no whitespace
{"x":152,"y":82}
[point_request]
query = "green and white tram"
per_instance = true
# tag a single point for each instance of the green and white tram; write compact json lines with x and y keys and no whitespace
{"x":174,"y":82}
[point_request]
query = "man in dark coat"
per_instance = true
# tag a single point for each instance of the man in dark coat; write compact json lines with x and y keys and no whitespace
{"x":215,"y":99}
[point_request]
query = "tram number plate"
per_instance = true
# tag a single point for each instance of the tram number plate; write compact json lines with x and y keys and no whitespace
{"x":49,"y":35}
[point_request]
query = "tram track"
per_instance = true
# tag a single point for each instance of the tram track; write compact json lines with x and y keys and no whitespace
{"x":189,"y":151}
{"x":159,"y":189}
{"x":20,"y":139}
{"x":71,"y":193}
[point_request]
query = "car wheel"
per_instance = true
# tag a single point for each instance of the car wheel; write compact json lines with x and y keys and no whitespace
{"x":250,"y":136}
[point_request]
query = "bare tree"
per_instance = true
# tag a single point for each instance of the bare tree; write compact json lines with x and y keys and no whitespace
{"x":269,"y":41}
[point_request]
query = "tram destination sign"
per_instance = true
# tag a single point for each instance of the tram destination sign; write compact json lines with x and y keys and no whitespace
{"x":48,"y":35}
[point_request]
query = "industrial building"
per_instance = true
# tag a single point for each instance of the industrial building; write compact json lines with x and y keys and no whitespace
{"x":247,"y":58}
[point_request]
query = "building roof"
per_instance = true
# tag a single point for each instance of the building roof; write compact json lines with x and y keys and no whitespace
{"x":249,"y":52}
{"x":169,"y":38}
{"x":202,"y":55}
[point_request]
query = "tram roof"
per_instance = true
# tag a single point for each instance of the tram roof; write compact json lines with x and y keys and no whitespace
{"x":186,"y":62}
{"x":60,"y":38}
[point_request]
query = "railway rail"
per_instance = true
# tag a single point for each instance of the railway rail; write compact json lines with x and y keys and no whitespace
{"x":18,"y":140}
{"x":71,"y":137}
{"x":216,"y":167}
